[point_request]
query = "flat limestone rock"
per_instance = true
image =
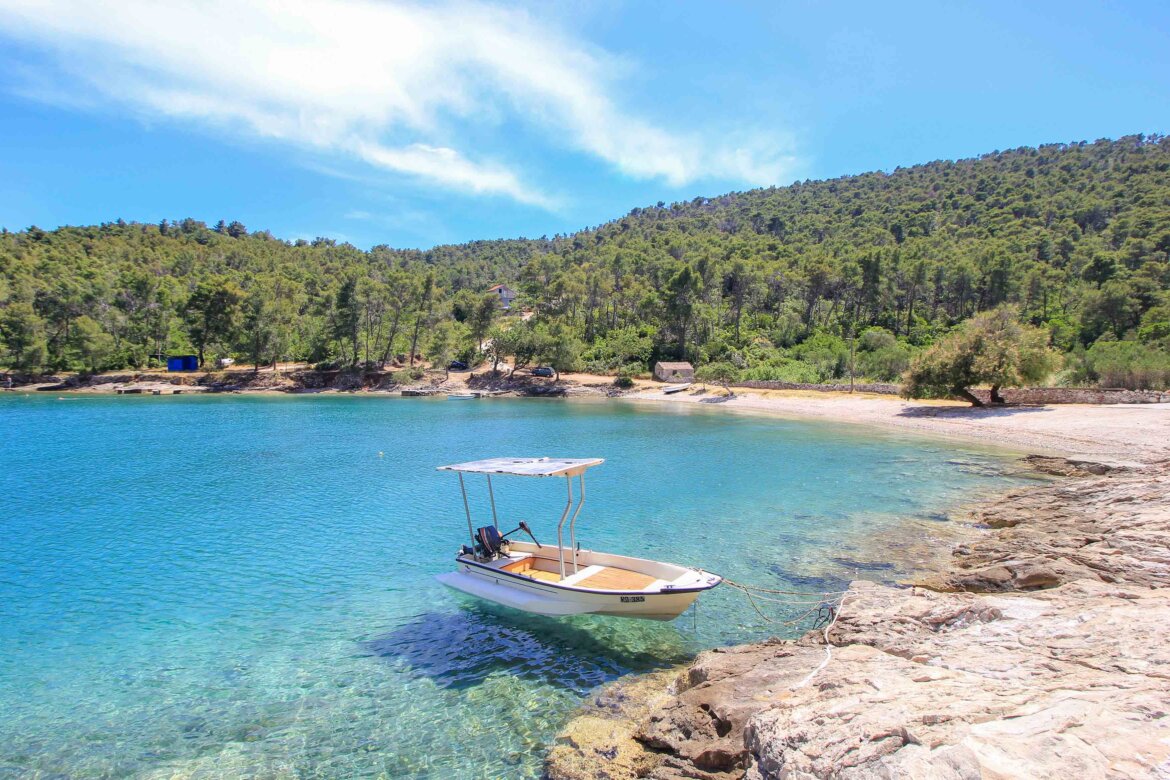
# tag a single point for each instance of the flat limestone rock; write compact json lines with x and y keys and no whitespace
{"x":1061,"y":684}
{"x":1110,"y":528}
{"x":1059,"y":668}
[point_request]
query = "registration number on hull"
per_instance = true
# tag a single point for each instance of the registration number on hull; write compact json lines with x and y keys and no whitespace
{"x":632,"y":599}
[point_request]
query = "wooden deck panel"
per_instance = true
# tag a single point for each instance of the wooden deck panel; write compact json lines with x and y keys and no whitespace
{"x":547,"y":576}
{"x":616,"y":579}
{"x":526,"y":568}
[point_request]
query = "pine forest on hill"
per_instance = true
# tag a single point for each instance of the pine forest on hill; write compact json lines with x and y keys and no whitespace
{"x":768,"y":284}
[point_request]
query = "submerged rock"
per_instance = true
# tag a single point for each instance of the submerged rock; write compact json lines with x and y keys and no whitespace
{"x":602,"y":734}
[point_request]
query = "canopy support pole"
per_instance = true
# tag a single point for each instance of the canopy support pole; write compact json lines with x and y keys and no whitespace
{"x":467,"y":509}
{"x":492,"y":496}
{"x":573,"y":522}
{"x":561,"y":526}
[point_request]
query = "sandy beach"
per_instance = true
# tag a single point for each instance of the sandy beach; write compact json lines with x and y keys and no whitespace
{"x":1118,"y":434}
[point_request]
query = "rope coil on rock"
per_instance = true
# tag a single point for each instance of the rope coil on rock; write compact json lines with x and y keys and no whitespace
{"x":824,"y":605}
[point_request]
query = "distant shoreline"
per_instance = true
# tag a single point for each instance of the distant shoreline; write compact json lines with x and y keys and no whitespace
{"x":1118,"y":434}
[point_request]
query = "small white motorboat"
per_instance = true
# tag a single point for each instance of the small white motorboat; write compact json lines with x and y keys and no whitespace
{"x":563,"y":580}
{"x":676,"y":389}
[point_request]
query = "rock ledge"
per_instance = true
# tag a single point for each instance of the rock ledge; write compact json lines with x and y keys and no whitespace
{"x":1068,"y":679}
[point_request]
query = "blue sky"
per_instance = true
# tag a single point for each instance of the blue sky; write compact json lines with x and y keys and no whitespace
{"x":419,"y":124}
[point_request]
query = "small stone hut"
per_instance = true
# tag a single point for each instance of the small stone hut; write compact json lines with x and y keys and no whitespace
{"x":674,"y":372}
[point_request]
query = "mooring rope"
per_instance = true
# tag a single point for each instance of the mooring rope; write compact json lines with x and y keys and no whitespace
{"x":828,"y":646}
{"x":822,"y":605}
{"x":760,"y":589}
{"x":827,"y":605}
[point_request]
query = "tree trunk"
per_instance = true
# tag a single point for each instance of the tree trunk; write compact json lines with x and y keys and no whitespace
{"x":996,"y":398}
{"x":967,"y":395}
{"x":414,"y":339}
{"x":390,"y":339}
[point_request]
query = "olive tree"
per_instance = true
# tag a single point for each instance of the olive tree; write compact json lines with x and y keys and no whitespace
{"x":993,"y":348}
{"x":722,"y":374}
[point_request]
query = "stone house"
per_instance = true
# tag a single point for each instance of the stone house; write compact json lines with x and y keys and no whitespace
{"x":674,"y":372}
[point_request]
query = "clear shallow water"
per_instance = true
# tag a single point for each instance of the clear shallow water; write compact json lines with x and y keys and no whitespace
{"x":242,"y":586}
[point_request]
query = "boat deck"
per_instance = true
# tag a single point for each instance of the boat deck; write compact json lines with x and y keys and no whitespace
{"x":524,"y":566}
{"x":610,"y":578}
{"x":604,"y":578}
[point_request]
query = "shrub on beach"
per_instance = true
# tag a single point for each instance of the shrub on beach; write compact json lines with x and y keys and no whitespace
{"x":407,"y":375}
{"x":1127,"y":364}
{"x":881,"y":356}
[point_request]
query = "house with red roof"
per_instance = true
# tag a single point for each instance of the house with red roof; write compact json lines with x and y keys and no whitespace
{"x":505,"y":293}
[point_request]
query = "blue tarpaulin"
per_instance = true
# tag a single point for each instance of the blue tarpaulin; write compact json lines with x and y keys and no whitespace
{"x":183,"y":363}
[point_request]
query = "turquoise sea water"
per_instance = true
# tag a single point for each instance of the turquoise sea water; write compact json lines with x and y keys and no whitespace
{"x":243,"y":586}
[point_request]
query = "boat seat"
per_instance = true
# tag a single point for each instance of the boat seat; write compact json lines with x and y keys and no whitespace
{"x":584,"y":573}
{"x":525,"y":567}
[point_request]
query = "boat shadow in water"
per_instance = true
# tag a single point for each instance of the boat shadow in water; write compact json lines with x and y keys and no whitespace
{"x":462,"y":648}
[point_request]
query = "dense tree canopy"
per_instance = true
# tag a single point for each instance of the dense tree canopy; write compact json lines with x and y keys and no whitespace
{"x":773,"y":282}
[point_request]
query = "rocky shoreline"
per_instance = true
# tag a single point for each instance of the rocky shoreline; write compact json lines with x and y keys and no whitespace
{"x":303,"y":380}
{"x":1042,"y":651}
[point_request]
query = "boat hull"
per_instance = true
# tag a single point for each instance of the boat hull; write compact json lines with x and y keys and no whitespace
{"x":548,"y":599}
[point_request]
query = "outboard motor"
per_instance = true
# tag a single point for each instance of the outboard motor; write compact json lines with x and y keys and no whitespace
{"x":489,"y":541}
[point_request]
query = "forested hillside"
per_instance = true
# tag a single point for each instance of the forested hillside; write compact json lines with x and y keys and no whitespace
{"x":771,"y":283}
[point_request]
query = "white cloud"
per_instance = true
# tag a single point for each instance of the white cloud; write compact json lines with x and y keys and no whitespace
{"x":398,"y":86}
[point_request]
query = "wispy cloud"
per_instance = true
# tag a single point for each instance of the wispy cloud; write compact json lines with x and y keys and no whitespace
{"x":397,"y":86}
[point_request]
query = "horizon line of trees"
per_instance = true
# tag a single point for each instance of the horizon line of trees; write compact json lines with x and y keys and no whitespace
{"x":800,"y":283}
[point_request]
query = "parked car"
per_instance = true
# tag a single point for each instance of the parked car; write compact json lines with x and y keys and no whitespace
{"x":457,"y":365}
{"x":543,"y":371}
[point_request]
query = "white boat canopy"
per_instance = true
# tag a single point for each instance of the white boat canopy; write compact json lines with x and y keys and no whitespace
{"x":532,"y":467}
{"x":526,"y":467}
